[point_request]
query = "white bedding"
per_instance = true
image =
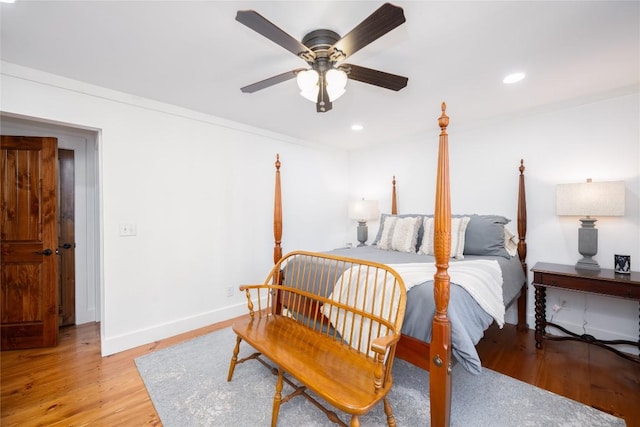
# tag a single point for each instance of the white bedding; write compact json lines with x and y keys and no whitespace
{"x":482,"y":279}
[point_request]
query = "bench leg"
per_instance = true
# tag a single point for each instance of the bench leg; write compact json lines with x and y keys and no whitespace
{"x":234,"y":358}
{"x":391,"y":421}
{"x":355,"y":421}
{"x":277,"y":399}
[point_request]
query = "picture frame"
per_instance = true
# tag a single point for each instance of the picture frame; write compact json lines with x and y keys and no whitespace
{"x":622,"y":264}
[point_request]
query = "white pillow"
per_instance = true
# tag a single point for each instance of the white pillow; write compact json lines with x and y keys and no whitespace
{"x":458,"y":229}
{"x":400,"y":234}
{"x":388,"y":225}
{"x":510,"y":242}
{"x":405,"y":234}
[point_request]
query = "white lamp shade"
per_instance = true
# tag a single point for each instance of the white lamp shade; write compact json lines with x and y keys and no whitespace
{"x":363,"y":210}
{"x":591,"y":199}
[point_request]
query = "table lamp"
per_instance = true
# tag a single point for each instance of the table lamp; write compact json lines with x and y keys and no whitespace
{"x":363,"y":210}
{"x":590,"y":199}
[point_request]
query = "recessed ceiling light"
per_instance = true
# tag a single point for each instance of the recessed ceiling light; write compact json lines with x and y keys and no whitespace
{"x":7,"y":1}
{"x":357,"y":127}
{"x":513,"y":78}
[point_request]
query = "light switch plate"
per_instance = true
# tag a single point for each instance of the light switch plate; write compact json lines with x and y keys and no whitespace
{"x":127,"y":229}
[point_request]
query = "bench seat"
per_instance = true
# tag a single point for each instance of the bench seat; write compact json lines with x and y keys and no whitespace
{"x":316,"y":360}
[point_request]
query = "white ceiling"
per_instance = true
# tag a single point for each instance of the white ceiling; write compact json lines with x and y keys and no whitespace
{"x":196,"y":55}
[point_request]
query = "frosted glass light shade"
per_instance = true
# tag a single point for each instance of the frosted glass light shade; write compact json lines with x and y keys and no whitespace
{"x":308,"y":83}
{"x":336,"y":83}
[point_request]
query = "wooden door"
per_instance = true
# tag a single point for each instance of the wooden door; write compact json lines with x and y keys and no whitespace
{"x":28,"y":220}
{"x":66,"y":239}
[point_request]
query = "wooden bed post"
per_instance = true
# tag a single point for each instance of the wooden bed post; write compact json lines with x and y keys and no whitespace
{"x":440,"y":355}
{"x":277,"y":215}
{"x":277,"y":235}
{"x":394,"y":202}
{"x":522,"y":250}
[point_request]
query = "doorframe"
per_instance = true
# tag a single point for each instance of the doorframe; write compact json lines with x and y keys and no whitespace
{"x":85,"y":144}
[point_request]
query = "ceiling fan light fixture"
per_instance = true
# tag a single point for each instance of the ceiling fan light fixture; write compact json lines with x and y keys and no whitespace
{"x":322,"y":49}
{"x":336,"y":83}
{"x":308,"y":83}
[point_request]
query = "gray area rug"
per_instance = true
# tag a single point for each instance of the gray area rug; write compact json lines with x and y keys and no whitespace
{"x":188,"y":386}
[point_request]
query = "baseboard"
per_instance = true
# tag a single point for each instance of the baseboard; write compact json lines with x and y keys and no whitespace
{"x":116,"y":344}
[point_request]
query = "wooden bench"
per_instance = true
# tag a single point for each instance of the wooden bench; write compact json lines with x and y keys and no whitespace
{"x":329,"y":324}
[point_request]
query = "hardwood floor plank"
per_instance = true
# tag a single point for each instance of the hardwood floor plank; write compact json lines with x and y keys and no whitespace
{"x":72,"y":384}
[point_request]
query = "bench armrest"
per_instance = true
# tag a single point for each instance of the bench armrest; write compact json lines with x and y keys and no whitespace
{"x":247,"y":290}
{"x":381,"y":344}
{"x":247,"y":287}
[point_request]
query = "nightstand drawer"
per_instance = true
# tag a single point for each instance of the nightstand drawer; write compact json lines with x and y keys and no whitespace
{"x":618,"y":288}
{"x":603,"y":282}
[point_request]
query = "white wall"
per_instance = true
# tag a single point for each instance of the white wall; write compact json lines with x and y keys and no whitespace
{"x":200,"y":193}
{"x":598,"y":140}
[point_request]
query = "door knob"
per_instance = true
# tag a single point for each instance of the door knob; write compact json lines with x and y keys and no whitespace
{"x":46,"y":252}
{"x":65,"y":246}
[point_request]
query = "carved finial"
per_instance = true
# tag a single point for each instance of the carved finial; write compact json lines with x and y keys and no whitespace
{"x":394,"y":181}
{"x":443,"y":121}
{"x":278,"y":161}
{"x":521,"y":168}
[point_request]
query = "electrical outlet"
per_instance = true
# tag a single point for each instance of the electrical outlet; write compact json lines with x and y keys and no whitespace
{"x":560,"y":305}
{"x":127,"y":229}
{"x":230,"y":291}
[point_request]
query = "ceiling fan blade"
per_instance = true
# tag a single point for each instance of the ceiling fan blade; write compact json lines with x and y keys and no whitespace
{"x":374,"y":77}
{"x":271,"y":81}
{"x":261,"y":25}
{"x":376,"y":25}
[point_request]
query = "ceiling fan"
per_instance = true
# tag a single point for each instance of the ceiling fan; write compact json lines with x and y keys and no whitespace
{"x":324,"y":50}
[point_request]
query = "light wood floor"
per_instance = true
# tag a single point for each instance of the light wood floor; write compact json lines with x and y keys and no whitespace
{"x":72,"y":385}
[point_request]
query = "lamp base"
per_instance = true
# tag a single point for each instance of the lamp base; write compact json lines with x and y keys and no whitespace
{"x":363,"y":233}
{"x":588,"y":263}
{"x":588,"y":245}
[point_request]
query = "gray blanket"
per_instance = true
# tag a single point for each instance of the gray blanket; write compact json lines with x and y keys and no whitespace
{"x":468,"y":319}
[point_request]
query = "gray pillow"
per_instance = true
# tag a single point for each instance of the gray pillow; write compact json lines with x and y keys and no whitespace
{"x":485,"y":235}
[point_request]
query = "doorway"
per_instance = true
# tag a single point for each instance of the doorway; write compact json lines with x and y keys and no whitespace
{"x":83,"y":145}
{"x":66,"y":250}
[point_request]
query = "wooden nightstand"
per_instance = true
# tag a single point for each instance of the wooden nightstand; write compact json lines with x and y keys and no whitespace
{"x":603,"y":282}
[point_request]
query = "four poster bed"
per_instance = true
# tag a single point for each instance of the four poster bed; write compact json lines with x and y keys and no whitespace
{"x":442,"y":320}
